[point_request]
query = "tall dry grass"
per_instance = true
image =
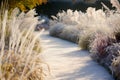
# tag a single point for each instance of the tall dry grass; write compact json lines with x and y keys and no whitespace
{"x":20,"y":49}
{"x":76,"y":24}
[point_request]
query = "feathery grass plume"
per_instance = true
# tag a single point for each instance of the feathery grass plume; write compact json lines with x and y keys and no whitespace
{"x":69,"y":17}
{"x":20,"y":57}
{"x":113,"y":22}
{"x":84,"y":22}
{"x":96,"y":23}
{"x":88,"y":34}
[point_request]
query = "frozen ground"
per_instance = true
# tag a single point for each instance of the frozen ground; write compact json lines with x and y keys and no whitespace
{"x":68,"y":62}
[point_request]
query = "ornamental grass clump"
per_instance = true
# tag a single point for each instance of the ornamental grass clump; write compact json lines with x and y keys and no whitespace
{"x":20,"y":57}
{"x":69,"y":17}
{"x":99,"y":49}
{"x":96,"y":23}
{"x":84,"y":40}
{"x":114,"y":18}
{"x":113,"y":21}
{"x":89,"y":34}
{"x":70,"y":33}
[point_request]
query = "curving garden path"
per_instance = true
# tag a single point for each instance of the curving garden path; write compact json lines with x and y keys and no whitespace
{"x":68,"y":62}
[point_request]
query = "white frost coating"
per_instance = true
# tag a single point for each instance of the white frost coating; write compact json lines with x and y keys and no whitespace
{"x":19,"y":47}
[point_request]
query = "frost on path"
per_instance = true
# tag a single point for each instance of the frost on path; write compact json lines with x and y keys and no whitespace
{"x":68,"y":62}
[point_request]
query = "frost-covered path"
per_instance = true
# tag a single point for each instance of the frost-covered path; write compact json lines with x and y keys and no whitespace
{"x":68,"y":62}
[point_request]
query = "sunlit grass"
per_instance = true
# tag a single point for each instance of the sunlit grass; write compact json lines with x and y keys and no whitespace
{"x":20,"y":49}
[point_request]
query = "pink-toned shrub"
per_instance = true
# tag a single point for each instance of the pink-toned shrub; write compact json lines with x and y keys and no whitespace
{"x":98,"y":46}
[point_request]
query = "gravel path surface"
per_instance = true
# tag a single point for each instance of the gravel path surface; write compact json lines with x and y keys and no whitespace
{"x":68,"y":62}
